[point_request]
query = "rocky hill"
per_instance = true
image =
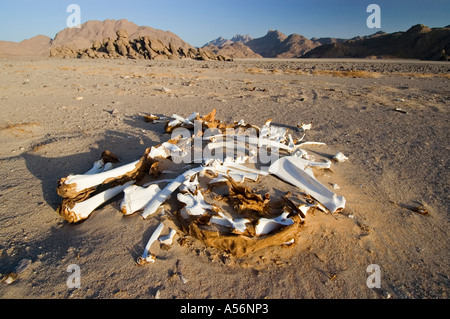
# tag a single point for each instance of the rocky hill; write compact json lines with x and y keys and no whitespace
{"x":38,"y":45}
{"x":92,"y":31}
{"x":267,"y":45}
{"x":294,"y":46}
{"x":109,"y":39}
{"x":419,"y":42}
{"x":124,"y":39}
{"x":233,"y":50}
{"x":141,"y":47}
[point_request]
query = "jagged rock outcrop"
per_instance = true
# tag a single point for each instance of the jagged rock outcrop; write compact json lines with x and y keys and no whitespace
{"x":142,"y":47}
{"x":418,"y":42}
{"x":235,"y":50}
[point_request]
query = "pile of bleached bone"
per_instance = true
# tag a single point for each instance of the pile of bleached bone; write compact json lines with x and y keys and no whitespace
{"x":255,"y":220}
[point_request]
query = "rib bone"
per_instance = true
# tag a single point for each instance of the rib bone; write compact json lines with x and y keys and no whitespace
{"x":147,"y":256}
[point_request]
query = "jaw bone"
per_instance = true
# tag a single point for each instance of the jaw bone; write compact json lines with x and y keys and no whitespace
{"x":294,"y":171}
{"x":75,"y":212}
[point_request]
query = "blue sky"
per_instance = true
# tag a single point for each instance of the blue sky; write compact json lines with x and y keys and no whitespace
{"x":199,"y":21}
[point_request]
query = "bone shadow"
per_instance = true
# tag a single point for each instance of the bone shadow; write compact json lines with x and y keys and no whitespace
{"x":50,"y":170}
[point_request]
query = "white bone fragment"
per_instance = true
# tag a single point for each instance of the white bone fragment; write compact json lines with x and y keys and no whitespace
{"x":229,"y":146}
{"x":137,"y":197}
{"x":165,"y":150}
{"x":177,"y":120}
{"x":252,"y":140}
{"x":266,"y":225}
{"x":183,"y":280}
{"x":302,"y":153}
{"x":340,"y":157}
{"x":293,"y":170}
{"x":195,"y":204}
{"x":304,"y":127}
{"x":311,"y":143}
{"x":229,"y":164}
{"x":289,"y":242}
{"x":82,"y":210}
{"x":239,"y":225}
{"x":83,"y":182}
{"x":98,"y":167}
{"x":240,"y":177}
{"x":162,"y":195}
{"x":147,"y":256}
{"x":304,"y":209}
{"x":189,"y":186}
{"x":276,"y":133}
{"x":168,"y":239}
{"x":219,"y":179}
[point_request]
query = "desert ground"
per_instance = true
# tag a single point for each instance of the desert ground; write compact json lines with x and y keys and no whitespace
{"x":389,"y":117}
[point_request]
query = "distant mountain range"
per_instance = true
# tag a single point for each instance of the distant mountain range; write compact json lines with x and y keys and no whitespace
{"x":419,"y":42}
{"x":275,"y":44}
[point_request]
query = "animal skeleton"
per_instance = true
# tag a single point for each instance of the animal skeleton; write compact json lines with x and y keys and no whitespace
{"x":294,"y":168}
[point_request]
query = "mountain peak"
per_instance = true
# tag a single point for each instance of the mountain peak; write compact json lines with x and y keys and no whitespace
{"x":275,"y":33}
{"x":241,"y":38}
{"x":418,"y":28}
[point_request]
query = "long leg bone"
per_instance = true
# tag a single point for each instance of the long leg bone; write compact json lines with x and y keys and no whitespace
{"x":79,"y":183}
{"x":147,"y":256}
{"x":75,"y":212}
{"x":74,"y":185}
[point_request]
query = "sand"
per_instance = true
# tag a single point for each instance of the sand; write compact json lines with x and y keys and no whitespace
{"x":391,"y":118}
